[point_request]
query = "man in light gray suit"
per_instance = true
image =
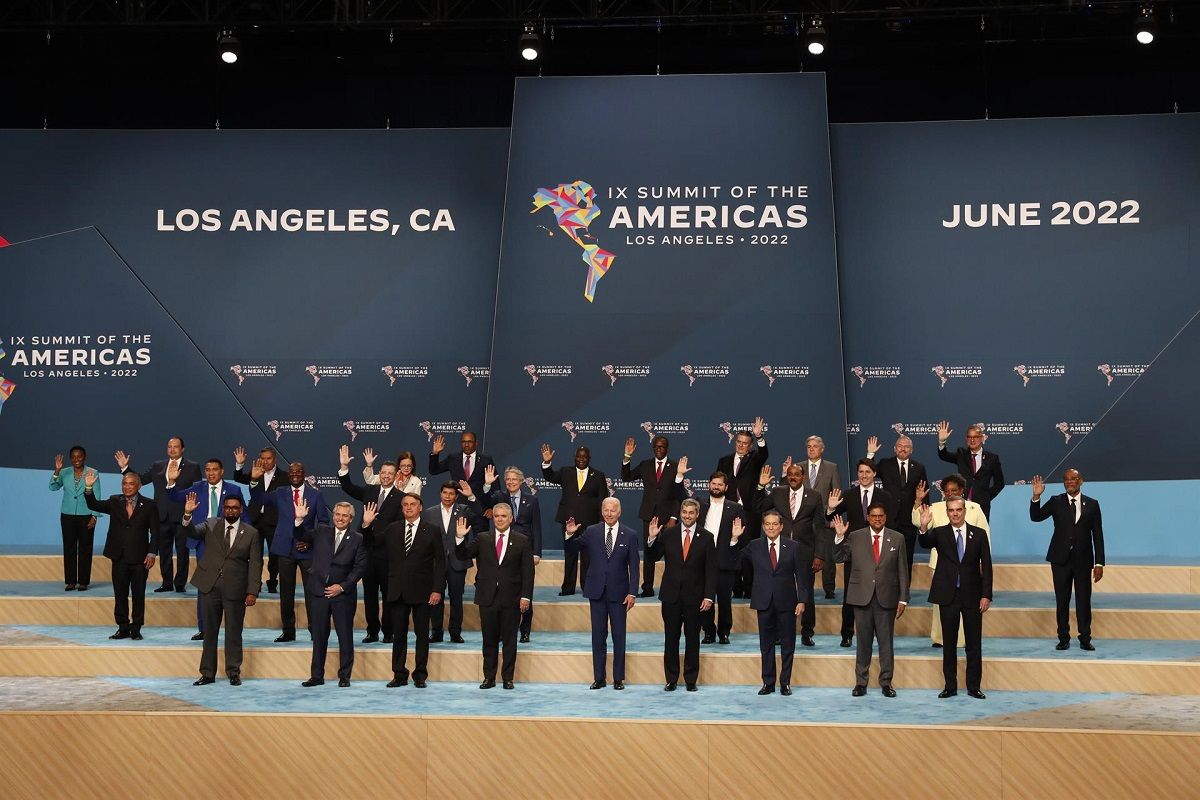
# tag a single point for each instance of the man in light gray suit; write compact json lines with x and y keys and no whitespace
{"x":822,"y":477}
{"x":229,"y":578}
{"x":877,"y":590}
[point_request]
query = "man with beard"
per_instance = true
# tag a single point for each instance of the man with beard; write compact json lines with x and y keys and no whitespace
{"x":716,"y":517}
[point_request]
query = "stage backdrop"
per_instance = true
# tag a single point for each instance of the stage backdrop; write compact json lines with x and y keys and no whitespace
{"x":667,"y":268}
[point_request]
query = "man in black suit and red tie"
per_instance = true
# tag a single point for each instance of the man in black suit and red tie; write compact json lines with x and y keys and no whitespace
{"x":900,"y":476}
{"x":526,"y":519}
{"x":741,"y":468}
{"x":133,"y":532}
{"x":465,"y":465}
{"x":170,"y":512}
{"x":1076,"y":552}
{"x":981,"y":468}
{"x":688,"y":585}
{"x":583,"y":490}
{"x":660,"y":497}
{"x":961,"y":587}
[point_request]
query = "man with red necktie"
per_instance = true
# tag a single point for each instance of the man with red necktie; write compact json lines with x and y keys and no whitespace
{"x":661,"y":494}
{"x":981,"y":468}
{"x":466,"y":465}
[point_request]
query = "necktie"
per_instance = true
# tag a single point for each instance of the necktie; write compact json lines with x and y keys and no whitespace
{"x":580,"y":476}
{"x":608,"y":542}
{"x":795,"y":502}
{"x":382,"y":497}
{"x":974,"y":463}
{"x":866,"y":501}
{"x":230,"y":535}
{"x":1074,"y":510}
{"x":812,"y":475}
{"x":903,"y":473}
{"x":687,"y":542}
{"x":467,"y":467}
{"x":875,"y":547}
{"x":499,"y":545}
{"x":129,"y":503}
{"x":774,"y":558}
{"x":658,"y":471}
{"x":296,"y":496}
{"x":516,"y":504}
{"x":962,"y":546}
{"x":213,"y":502}
{"x":737,"y":465}
{"x":337,"y":540}
{"x":408,"y":538}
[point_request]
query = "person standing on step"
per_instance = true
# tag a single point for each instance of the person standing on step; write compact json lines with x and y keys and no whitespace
{"x":133,"y":532}
{"x":78,"y":525}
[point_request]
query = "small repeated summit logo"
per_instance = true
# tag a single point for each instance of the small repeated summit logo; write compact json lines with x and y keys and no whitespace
{"x":614,"y":371}
{"x":1027,"y":372}
{"x":1000,"y":428}
{"x":944,"y":373}
{"x":538,"y":371}
{"x":863,"y":373}
{"x":707,"y":371}
{"x":773,"y":373}
{"x":243,"y":371}
{"x":653,"y":429}
{"x":915,"y":428}
{"x":322,"y":481}
{"x":280,"y":427}
{"x":1072,"y":429}
{"x":732,"y":429}
{"x":474,"y":373}
{"x":354,"y":428}
{"x":394,"y":372}
{"x":573,"y":428}
{"x":320,"y":372}
{"x":1113,"y":371}
{"x":431,"y":429}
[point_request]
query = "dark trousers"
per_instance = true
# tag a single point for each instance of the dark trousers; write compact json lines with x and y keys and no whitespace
{"x":574,"y":563}
{"x":910,"y":546}
{"x":173,"y":541}
{"x":287,"y":592}
{"x":829,"y":570}
{"x":608,"y":614}
{"x":499,"y":623}
{"x":685,"y":616}
{"x":777,"y":623}
{"x":872,"y":622}
{"x":129,"y":579}
{"x":649,"y":560}
{"x":265,"y":536}
{"x":341,"y":610}
{"x":527,"y":620}
{"x":719,"y":618}
{"x":1079,"y":576}
{"x":375,"y":582}
{"x":808,"y":619}
{"x":234,"y":611}
{"x":972,"y":622}
{"x":743,"y":583}
{"x":420,"y":623}
{"x":847,"y":609}
{"x":77,"y":540}
{"x":455,"y":583}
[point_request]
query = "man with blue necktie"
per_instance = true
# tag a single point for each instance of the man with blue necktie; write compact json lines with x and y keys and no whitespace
{"x":526,"y":519}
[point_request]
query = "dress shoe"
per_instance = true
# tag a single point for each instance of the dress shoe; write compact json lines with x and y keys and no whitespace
{"x":888,"y":691}
{"x":978,"y":695}
{"x":1063,"y":646}
{"x":524,"y":638}
{"x":180,"y":589}
{"x":565,"y":593}
{"x":388,"y":639}
{"x":272,"y":587}
{"x":343,"y":683}
{"x":135,"y":635}
{"x":846,"y":641}
{"x":120,"y":635}
{"x":766,"y":690}
{"x":370,"y":638}
{"x":70,"y":587}
{"x":807,"y":641}
{"x":83,"y":587}
{"x":235,"y":680}
{"x":488,"y":684}
{"x":198,"y":636}
{"x":394,"y":682}
{"x":460,"y":640}
{"x":508,"y":684}
{"x":691,"y":687}
{"x":204,"y":682}
{"x":647,"y":593}
{"x":785,"y":690}
{"x":935,"y":644}
{"x":708,"y":640}
{"x":597,"y":685}
{"x":944,"y":693}
{"x":159,"y":590}
{"x":286,"y":637}
{"x":433,"y":639}
{"x":858,"y":691}
{"x":420,"y":684}
{"x":723,"y":638}
{"x":830,"y":595}
{"x":1086,"y":646}
{"x":618,"y":685}
{"x":670,"y":687}
{"x":313,"y":682}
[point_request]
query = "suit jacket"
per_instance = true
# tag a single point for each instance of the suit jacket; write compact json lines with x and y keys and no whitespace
{"x":783,"y":586}
{"x":528,"y":517}
{"x":888,"y":472}
{"x":726,"y":556}
{"x":609,"y":578}
{"x":972,"y":576}
{"x":583,"y":506}
{"x":415,"y":575}
{"x":808,"y":522}
{"x":660,"y":497}
{"x":982,"y":485}
{"x":434,"y":517}
{"x":130,"y":538}
{"x":345,"y":566}
{"x":851,"y":506}
{"x":687,"y":580}
{"x":385,"y":514}
{"x":262,"y":516}
{"x":827,"y":477}
{"x":169,"y":510}
{"x":201,"y":488}
{"x":1080,"y":542}
{"x":500,"y":583}
{"x":887,"y":581}
{"x":237,"y":568}
{"x":453,"y":463}
{"x":742,"y":485}
{"x":283,"y":542}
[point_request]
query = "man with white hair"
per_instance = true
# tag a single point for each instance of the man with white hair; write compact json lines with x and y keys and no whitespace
{"x":822,"y":477}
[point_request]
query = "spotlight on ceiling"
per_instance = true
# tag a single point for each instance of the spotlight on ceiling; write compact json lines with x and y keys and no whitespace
{"x":228,"y":47}
{"x":530,"y":43}
{"x":1146,"y":28}
{"x":816,"y":38}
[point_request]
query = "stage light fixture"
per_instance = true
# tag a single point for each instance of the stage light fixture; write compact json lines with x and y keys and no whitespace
{"x":228,"y":47}
{"x":1146,"y":27}
{"x":815,"y":39}
{"x":531,"y":44}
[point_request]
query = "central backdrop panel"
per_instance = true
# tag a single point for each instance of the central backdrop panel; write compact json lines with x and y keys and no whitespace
{"x":667,"y":267}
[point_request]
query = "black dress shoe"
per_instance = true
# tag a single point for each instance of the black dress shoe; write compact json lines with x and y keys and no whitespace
{"x":272,"y":587}
{"x":204,"y":682}
{"x":858,"y":691}
{"x":708,"y":640}
{"x":70,"y":587}
{"x":766,"y":690}
{"x":180,"y":590}
{"x":198,"y":636}
{"x":565,"y":593}
{"x":944,"y":693}
{"x":785,"y":690}
{"x":670,"y":687}
{"x":488,"y":684}
{"x":83,"y":587}
{"x":888,"y":691}
{"x":313,"y":682}
{"x":647,"y":593}
{"x":807,"y":641}
{"x":394,"y":682}
{"x":235,"y":680}
{"x":508,"y":684}
{"x":439,"y":638}
{"x":618,"y":685}
{"x":830,"y":595}
{"x":691,"y":687}
{"x":120,"y":635}
{"x":388,"y":639}
{"x":1063,"y":646}
{"x":135,"y":635}
{"x":343,"y":682}
{"x":846,"y":641}
{"x":935,"y":644}
{"x":1086,"y":646}
{"x":978,"y":695}
{"x":461,"y":640}
{"x":524,"y":638}
{"x":420,"y":684}
{"x":159,"y":590}
{"x":723,"y":639}
{"x":286,"y":637}
{"x":370,"y":638}
{"x":597,"y":685}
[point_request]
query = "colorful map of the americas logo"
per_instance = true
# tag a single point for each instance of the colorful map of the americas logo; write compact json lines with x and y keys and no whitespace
{"x":574,"y":208}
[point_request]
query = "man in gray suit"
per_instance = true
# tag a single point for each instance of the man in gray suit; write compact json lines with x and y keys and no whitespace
{"x":822,"y":477}
{"x":877,"y":590}
{"x":445,"y":516}
{"x":229,"y":578}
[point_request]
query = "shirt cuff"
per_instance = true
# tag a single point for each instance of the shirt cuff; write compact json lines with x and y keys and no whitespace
{"x":1101,"y":566}
{"x":545,"y":465}
{"x":459,"y":539}
{"x":903,"y":602}
{"x":343,"y":471}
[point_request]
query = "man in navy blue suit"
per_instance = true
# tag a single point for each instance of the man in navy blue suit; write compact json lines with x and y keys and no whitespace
{"x":339,"y":560}
{"x":778,"y":595}
{"x":612,"y":577}
{"x":526,"y":519}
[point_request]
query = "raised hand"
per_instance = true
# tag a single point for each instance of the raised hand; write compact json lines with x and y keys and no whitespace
{"x":172,"y":473}
{"x":191,"y":503}
{"x":489,"y":474}
{"x":764,"y":475}
{"x":630,"y":447}
{"x":835,"y":497}
{"x":439,"y":444}
{"x":462,"y":527}
{"x":840,"y":526}
{"x":58,"y":463}
{"x":757,"y":428}
{"x":682,"y":467}
{"x":1039,"y":486}
{"x":926,"y":518}
{"x":90,"y":478}
{"x":738,"y":529}
{"x":572,"y":527}
{"x":943,"y":431}
{"x":655,"y":528}
{"x":370,"y":511}
{"x":547,"y":454}
{"x":922,"y":491}
{"x":872,"y":446}
{"x":466,"y":489}
{"x":369,"y":457}
{"x":787,"y":462}
{"x":301,"y":508}
{"x":257,"y":471}
{"x":122,"y":460}
{"x":239,"y":455}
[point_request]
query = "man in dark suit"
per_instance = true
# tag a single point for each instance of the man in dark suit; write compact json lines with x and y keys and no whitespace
{"x":688,"y":586}
{"x":263,"y":517}
{"x":900,"y":476}
{"x":878,"y":590}
{"x":802,"y":511}
{"x":169,"y":511}
{"x":465,"y":465}
{"x":527,"y":520}
{"x":416,"y":575}
{"x":778,"y":595}
{"x":741,"y":469}
{"x":822,"y":477}
{"x":612,"y":579}
{"x":583,"y":488}
{"x":287,"y":501}
{"x":981,"y":468}
{"x":961,"y":586}
{"x":1076,"y":552}
{"x":229,"y":578}
{"x":444,"y":516}
{"x":503,"y":587}
{"x":854,"y":504}
{"x":661,"y":494}
{"x":717,"y":515}
{"x":387,"y":510}
{"x":339,"y":560}
{"x":133,"y":532}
